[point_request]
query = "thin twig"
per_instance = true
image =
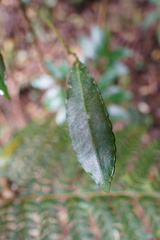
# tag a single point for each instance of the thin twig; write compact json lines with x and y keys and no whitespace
{"x":55,"y":30}
{"x":35,"y":41}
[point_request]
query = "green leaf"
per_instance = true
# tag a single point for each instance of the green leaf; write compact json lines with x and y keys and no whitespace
{"x":59,"y":71}
{"x":152,"y":18}
{"x":155,"y":1}
{"x":53,"y":99}
{"x":3,"y":88}
{"x":97,"y":44}
{"x":116,"y":94}
{"x":117,"y":112}
{"x":89,"y":126}
{"x":115,"y":54}
{"x":117,"y":69}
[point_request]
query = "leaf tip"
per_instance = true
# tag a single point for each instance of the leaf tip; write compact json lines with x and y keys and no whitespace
{"x":106,"y":184}
{"x":106,"y":187}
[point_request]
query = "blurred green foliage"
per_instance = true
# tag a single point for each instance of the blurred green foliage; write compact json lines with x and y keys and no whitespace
{"x":56,"y":194}
{"x":54,"y":96}
{"x":153,"y":18}
{"x":114,"y":74}
{"x":114,"y":78}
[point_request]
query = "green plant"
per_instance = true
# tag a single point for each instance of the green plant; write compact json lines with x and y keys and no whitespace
{"x":111,"y":82}
{"x":3,"y":88}
{"x":53,"y":205}
{"x":154,"y":17}
{"x":89,"y":126}
{"x":95,"y":47}
{"x":108,"y":61}
{"x":54,"y":97}
{"x":44,"y":192}
{"x":102,"y":163}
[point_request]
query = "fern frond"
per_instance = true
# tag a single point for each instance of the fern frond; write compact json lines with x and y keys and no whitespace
{"x":57,"y":200}
{"x":128,"y":142}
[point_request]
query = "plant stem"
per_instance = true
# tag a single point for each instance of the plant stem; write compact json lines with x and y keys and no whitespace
{"x":90,"y":195}
{"x":35,"y":41}
{"x":55,"y":30}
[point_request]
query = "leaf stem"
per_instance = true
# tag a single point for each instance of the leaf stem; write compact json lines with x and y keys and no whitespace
{"x":89,"y":195}
{"x":55,"y":30}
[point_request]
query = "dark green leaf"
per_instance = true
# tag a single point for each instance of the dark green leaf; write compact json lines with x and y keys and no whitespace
{"x":106,"y":79}
{"x":117,"y":69}
{"x":102,"y":48}
{"x":3,"y":88}
{"x":115,"y":54}
{"x":116,"y":94}
{"x":89,"y":126}
{"x":117,"y":112}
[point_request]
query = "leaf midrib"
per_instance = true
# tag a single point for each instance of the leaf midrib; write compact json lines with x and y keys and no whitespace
{"x":85,"y":108}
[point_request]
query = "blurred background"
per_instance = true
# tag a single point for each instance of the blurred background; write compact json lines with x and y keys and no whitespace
{"x":119,"y":41}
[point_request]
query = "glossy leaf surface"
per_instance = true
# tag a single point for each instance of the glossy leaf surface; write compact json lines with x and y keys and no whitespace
{"x":3,"y":88}
{"x":89,"y":126}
